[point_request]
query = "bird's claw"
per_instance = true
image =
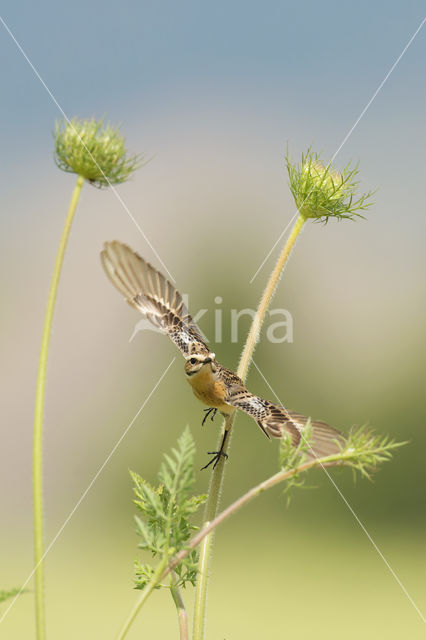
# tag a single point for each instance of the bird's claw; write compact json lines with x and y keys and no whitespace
{"x":210,"y":411}
{"x":217,"y":455}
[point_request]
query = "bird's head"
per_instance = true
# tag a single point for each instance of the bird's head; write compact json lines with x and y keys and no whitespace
{"x":196,"y":362}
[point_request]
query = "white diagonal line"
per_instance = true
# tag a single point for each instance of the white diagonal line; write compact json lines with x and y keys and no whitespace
{"x":275,"y":244}
{"x":351,"y":130}
{"x":114,"y":190}
{"x":379,"y":87}
{"x":351,"y":510}
{"x":90,"y":485}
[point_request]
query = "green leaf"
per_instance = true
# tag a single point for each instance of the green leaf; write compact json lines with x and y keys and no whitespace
{"x":365,"y":450}
{"x":292,"y":457}
{"x":361,"y":449}
{"x":143,"y":575}
{"x":10,"y":593}
{"x":164,"y":525}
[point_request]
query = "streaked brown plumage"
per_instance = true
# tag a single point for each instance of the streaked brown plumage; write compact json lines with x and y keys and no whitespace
{"x":149,"y":292}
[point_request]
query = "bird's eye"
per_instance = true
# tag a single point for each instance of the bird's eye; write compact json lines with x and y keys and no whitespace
{"x":193,"y":361}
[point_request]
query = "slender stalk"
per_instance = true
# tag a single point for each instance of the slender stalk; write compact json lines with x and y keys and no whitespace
{"x":267,"y":296}
{"x":360,"y":454}
{"x":180,"y":607}
{"x":38,"y":419}
{"x":209,"y":527}
{"x":201,"y":586}
{"x":145,"y":593}
{"x":216,"y":482}
{"x":164,"y":567}
{"x":345,"y":457}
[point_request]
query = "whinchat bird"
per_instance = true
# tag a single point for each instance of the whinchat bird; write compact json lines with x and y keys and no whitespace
{"x":148,"y":291}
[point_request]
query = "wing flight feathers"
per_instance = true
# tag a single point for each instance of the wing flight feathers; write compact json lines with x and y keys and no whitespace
{"x":148,"y":291}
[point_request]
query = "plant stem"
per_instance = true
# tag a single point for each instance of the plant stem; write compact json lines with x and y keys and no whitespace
{"x":349,"y":456}
{"x":38,"y":420}
{"x":277,"y":478}
{"x":175,"y":591}
{"x":346,"y":456}
{"x":210,"y":512}
{"x":164,"y":567}
{"x":180,"y":607}
{"x":145,"y":593}
{"x":201,"y":586}
{"x":216,"y":482}
{"x":267,"y":296}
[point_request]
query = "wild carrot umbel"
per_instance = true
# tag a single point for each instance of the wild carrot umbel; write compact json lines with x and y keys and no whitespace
{"x":95,"y":153}
{"x":320,"y":193}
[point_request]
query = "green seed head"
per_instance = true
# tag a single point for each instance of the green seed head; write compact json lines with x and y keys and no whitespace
{"x":320,"y":192}
{"x":94,"y":150}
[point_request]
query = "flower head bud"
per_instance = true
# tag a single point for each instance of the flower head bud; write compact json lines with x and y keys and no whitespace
{"x":320,"y":192}
{"x":93,"y":150}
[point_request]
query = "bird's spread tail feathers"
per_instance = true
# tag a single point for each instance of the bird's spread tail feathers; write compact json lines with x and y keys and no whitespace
{"x":323,"y":439}
{"x":277,"y":422}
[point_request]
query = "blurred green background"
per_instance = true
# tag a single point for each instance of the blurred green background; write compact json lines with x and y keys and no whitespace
{"x":214,"y":92}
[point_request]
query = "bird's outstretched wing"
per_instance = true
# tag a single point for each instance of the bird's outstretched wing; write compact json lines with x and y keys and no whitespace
{"x":275,"y":421}
{"x":148,"y":291}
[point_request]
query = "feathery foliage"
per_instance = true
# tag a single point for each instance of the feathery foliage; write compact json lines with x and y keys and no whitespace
{"x":165,"y":526}
{"x":291,"y":457}
{"x":363,"y":451}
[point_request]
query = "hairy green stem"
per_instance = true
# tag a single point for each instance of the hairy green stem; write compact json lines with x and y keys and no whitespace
{"x":38,"y":420}
{"x":346,"y":456}
{"x":356,"y":456}
{"x":201,"y":586}
{"x":145,"y":593}
{"x":277,"y":478}
{"x":180,"y":607}
{"x":216,"y":482}
{"x":267,"y":296}
{"x":164,"y":567}
{"x":175,"y":591}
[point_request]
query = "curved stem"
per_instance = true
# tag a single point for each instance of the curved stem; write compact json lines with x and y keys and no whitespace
{"x":180,"y":607}
{"x":164,"y":568}
{"x":209,"y":527}
{"x":353,"y":456}
{"x":38,"y":420}
{"x":216,"y":482}
{"x":356,"y":455}
{"x":145,"y":593}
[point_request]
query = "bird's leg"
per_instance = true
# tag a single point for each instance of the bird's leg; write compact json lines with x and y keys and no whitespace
{"x":208,"y":411}
{"x":217,"y":455}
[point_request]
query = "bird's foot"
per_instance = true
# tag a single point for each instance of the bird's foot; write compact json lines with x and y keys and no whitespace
{"x":217,"y":455}
{"x":210,"y":411}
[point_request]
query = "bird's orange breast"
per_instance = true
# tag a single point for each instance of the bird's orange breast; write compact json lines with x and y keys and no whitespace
{"x":210,"y":391}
